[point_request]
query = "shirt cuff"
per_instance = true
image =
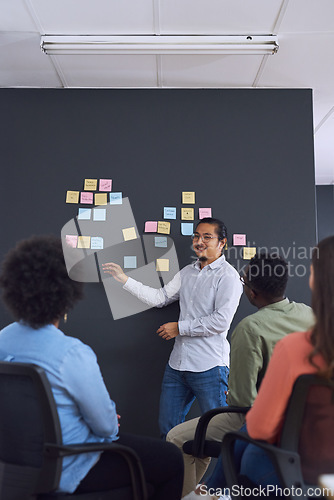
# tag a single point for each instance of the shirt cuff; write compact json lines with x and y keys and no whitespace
{"x":128,"y":285}
{"x":183,"y":327}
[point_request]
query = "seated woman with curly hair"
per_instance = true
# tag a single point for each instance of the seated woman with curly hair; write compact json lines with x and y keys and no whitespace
{"x":38,"y":292}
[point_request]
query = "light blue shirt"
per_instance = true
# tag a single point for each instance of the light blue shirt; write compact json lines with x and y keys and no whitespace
{"x":208,"y":300}
{"x":86,"y":412}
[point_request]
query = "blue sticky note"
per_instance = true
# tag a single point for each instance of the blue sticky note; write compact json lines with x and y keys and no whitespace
{"x":99,"y":214}
{"x":115,"y":198}
{"x":96,"y":243}
{"x":187,"y":228}
{"x":84,"y":213}
{"x":169,"y":212}
{"x":160,"y":241}
{"x":130,"y":262}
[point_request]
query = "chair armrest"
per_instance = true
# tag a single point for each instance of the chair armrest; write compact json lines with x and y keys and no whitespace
{"x":129,"y":455}
{"x":286,"y":463}
{"x":200,"y":433}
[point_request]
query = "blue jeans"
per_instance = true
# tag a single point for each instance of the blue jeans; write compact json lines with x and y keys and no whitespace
{"x":251,"y":461}
{"x":180,"y":388}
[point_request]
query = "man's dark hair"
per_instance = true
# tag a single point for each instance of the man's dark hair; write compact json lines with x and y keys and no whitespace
{"x":268,"y":274}
{"x":219,"y":226}
{"x":36,"y":286}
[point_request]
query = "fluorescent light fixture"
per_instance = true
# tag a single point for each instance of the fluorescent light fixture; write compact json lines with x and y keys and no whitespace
{"x":159,"y":44}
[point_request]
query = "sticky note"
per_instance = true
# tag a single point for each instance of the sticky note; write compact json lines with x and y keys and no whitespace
{"x":239,"y":239}
{"x":169,"y":212}
{"x":90,"y":184}
{"x":72,"y":197}
{"x":129,"y":233}
{"x":99,"y":214}
{"x":160,"y":241}
{"x":84,"y":213}
{"x":249,"y":253}
{"x":105,"y":184}
{"x":86,"y":197}
{"x":187,"y":213}
{"x":115,"y":198}
{"x":101,"y":199}
{"x":162,"y":265}
{"x":163,"y":227}
{"x":96,"y":243}
{"x":151,"y":226}
{"x":71,"y":240}
{"x":204,"y":212}
{"x":130,"y":261}
{"x":188,"y":197}
{"x":84,"y":242}
{"x":187,"y":228}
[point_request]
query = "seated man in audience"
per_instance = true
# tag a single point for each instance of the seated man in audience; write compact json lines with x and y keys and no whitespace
{"x":252,"y":343}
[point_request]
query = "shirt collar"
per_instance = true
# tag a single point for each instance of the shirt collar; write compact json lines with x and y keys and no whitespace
{"x":216,"y":263}
{"x":278,"y":305}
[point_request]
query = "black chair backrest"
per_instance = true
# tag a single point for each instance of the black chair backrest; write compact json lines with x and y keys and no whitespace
{"x":28,"y":419}
{"x":309,"y":424}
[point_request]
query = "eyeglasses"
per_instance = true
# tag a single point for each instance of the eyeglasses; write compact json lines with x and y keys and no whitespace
{"x":206,"y":237}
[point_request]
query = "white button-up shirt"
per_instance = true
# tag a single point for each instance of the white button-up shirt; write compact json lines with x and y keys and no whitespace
{"x":208,"y":300}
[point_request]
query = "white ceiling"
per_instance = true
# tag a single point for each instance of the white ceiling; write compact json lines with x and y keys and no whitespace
{"x":305,"y":30}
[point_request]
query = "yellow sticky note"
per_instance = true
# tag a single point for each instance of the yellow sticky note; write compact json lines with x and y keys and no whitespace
{"x":101,"y":198}
{"x":187,"y":213}
{"x":72,"y":197}
{"x":84,"y":242}
{"x":163,"y":227}
{"x":90,"y":184}
{"x":188,"y":197}
{"x":249,"y":252}
{"x":162,"y":265}
{"x":129,"y":233}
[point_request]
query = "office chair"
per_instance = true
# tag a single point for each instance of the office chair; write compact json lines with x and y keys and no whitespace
{"x":31,"y":448}
{"x":201,"y":447}
{"x":306,"y":447}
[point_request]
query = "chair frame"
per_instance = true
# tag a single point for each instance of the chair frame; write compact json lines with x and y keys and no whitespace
{"x":48,"y":476}
{"x":199,"y":446}
{"x":285,"y":456}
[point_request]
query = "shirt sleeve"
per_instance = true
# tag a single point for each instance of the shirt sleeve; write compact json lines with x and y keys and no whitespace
{"x":83,"y":380}
{"x":155,"y":297}
{"x":265,"y":419}
{"x":227,"y":299}
{"x":246,"y":364}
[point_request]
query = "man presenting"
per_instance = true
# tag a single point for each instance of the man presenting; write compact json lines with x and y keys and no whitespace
{"x":208,"y":291}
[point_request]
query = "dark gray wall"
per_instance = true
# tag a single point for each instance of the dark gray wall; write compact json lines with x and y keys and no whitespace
{"x":246,"y":153}
{"x":325,"y":211}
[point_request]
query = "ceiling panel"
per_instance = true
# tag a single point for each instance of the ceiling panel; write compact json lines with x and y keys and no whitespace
{"x":218,"y":16}
{"x":99,"y":17}
{"x":108,"y":71}
{"x":23,"y":64}
{"x":14,"y":16}
{"x":308,"y":15}
{"x":324,"y":152}
{"x":209,"y":71}
{"x":302,"y":61}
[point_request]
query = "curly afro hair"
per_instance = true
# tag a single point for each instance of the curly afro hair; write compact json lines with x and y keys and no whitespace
{"x":35,"y":283}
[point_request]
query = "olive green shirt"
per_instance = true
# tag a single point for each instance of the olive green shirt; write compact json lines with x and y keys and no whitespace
{"x":253,"y":341}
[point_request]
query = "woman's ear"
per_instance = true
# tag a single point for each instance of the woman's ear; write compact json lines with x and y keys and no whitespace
{"x":311,"y":278}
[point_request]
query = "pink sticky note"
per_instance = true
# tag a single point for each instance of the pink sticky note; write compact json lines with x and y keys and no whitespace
{"x":71,"y":240}
{"x":239,"y":239}
{"x":105,"y":184}
{"x":151,"y":226}
{"x":86,"y":197}
{"x":204,"y":212}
